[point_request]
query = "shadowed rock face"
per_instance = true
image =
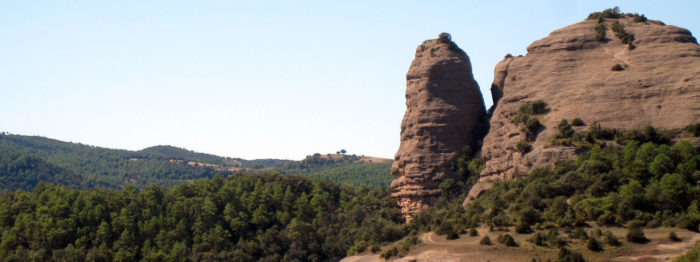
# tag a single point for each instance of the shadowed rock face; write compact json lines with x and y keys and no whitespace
{"x":571,"y":71}
{"x":444,"y":109}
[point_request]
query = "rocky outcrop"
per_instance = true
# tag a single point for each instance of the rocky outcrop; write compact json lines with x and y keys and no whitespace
{"x":570,"y":70}
{"x":443,"y":110}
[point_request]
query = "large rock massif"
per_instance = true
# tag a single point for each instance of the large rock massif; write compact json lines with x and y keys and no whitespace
{"x":570,"y":70}
{"x":444,"y":112}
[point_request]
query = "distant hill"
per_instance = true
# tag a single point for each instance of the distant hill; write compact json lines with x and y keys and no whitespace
{"x":176,"y":153}
{"x":27,"y":160}
{"x":23,"y":171}
{"x":340,"y":168}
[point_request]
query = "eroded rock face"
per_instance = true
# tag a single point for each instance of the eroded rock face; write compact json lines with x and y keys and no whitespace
{"x":444,"y":109}
{"x":571,"y":71}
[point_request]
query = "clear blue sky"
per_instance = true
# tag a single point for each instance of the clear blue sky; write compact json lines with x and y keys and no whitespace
{"x":252,"y":79}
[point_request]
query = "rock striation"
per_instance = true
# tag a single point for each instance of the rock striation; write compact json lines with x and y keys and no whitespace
{"x":570,"y":70}
{"x":444,"y":109}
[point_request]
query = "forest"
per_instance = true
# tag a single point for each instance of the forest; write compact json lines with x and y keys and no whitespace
{"x":635,"y":179}
{"x":243,"y":217}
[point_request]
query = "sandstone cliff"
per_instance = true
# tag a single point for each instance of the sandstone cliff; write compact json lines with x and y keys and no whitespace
{"x":657,"y":84}
{"x":444,"y":109}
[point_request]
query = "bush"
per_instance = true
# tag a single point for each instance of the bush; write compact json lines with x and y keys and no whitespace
{"x":486,"y":241}
{"x":508,"y":56}
{"x":523,"y":147}
{"x":636,"y":235}
{"x":532,"y":125}
{"x":579,"y":233}
{"x":537,"y":107}
{"x":607,"y":13}
{"x":523,"y":228}
{"x":593,"y":245}
{"x":637,"y":18}
{"x":566,"y":255}
{"x":577,"y":122}
{"x":374,"y":248}
{"x":611,"y":239}
{"x":617,"y":67}
{"x":601,"y":31}
{"x":673,"y":237}
{"x":693,"y":130}
{"x":526,"y":116}
{"x":443,"y":228}
{"x":390,"y":253}
{"x":507,"y":240}
{"x":445,"y":37}
{"x":538,"y":239}
{"x":620,"y":32}
{"x":473,"y":232}
{"x":359,"y":247}
{"x":452,"y":235}
{"x":565,"y":130}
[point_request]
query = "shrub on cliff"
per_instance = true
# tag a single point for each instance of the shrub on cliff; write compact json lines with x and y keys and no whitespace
{"x":617,"y":67}
{"x":565,"y":130}
{"x":445,"y":38}
{"x":523,"y":147}
{"x":607,"y":13}
{"x":534,"y":108}
{"x":637,"y":17}
{"x":693,"y":130}
{"x":623,"y":35}
{"x":600,"y":31}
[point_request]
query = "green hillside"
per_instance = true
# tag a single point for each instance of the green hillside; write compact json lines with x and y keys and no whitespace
{"x":23,"y":171}
{"x":171,"y":152}
{"x":348,"y":169}
{"x":27,"y":160}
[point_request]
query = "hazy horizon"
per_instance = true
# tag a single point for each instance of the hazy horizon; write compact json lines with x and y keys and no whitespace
{"x":248,"y":79}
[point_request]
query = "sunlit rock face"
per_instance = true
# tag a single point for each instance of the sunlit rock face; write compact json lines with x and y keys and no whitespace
{"x":571,"y":70}
{"x":444,"y":109}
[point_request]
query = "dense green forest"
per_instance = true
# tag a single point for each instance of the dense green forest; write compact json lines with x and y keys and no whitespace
{"x":341,"y":169}
{"x":27,"y":160}
{"x":634,"y":178}
{"x":244,"y":217}
{"x":24,"y":171}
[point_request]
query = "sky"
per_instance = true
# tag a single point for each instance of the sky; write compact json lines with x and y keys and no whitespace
{"x":252,"y":79}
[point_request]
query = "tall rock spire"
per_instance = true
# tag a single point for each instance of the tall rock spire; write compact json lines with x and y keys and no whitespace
{"x":444,"y":109}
